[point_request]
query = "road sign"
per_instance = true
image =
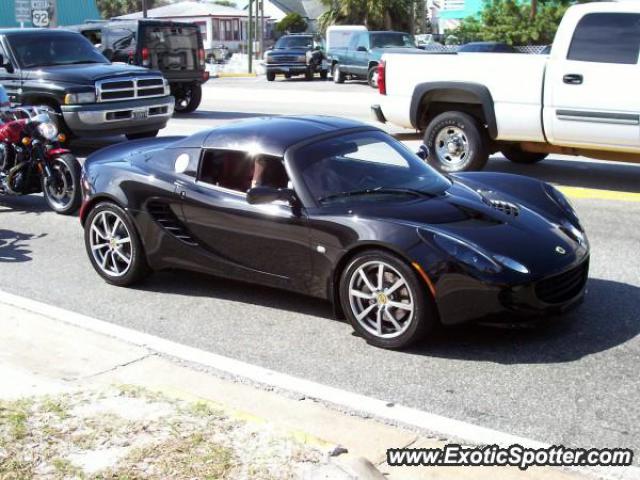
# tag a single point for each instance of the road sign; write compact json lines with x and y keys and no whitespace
{"x":40,"y":18}
{"x":23,"y":10}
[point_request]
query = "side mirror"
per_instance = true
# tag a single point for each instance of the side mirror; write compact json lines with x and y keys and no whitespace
{"x":361,"y":49}
{"x":423,"y":152}
{"x":261,"y":195}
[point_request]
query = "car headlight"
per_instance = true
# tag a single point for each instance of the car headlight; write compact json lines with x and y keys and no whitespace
{"x":167,"y":87}
{"x":466,"y":253}
{"x":511,"y":263}
{"x":48,"y":130}
{"x":81,"y":97}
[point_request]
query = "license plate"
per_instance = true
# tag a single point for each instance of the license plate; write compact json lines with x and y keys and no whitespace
{"x":174,"y":59}
{"x":139,"y":114}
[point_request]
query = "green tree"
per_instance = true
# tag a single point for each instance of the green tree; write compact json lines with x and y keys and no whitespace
{"x":374,"y":14}
{"x":226,"y":3}
{"x":114,"y":8}
{"x":513,"y":22}
{"x":292,"y":23}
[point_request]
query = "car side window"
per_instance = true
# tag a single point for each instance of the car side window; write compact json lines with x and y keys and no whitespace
{"x":239,"y":171}
{"x":122,"y":43}
{"x":354,"y":41}
{"x":606,"y":38}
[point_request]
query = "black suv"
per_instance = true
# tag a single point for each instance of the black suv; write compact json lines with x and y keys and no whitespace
{"x":296,"y":54}
{"x":64,"y":71}
{"x":174,"y":48}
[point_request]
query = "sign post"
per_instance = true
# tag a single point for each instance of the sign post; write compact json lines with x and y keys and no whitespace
{"x":22,"y":11}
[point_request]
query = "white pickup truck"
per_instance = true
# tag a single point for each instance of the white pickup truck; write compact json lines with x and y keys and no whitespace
{"x":581,"y":99}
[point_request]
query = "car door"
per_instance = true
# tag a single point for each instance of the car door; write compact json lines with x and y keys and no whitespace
{"x":361,"y":55}
{"x":262,"y":243}
{"x":590,"y":98}
{"x":10,"y":77}
{"x":348,"y":63}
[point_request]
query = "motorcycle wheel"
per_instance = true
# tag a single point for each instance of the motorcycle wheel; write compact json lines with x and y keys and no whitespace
{"x":63,"y":196}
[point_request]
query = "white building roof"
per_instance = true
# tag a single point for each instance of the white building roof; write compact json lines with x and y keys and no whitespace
{"x":189,"y":9}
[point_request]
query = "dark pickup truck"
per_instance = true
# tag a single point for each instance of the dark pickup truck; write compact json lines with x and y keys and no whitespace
{"x":64,"y":71}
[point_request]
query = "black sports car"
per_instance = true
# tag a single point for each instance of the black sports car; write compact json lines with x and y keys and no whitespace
{"x":338,"y":210}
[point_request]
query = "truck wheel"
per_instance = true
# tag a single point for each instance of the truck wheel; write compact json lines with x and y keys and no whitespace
{"x":271,"y":76}
{"x":338,"y":76}
{"x":517,"y":155}
{"x":456,"y":143}
{"x":308,"y":74}
{"x":372,"y":77}
{"x":324,"y":74}
{"x":138,"y":136}
{"x":191,"y":100}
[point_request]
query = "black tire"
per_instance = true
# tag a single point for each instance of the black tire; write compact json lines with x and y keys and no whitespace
{"x":338,"y":76}
{"x":372,"y":77}
{"x":422,"y":318}
{"x":287,"y":76}
{"x":193,"y":98}
{"x":455,"y":125}
{"x":65,"y":201}
{"x":309,"y":74}
{"x":517,"y":155}
{"x":271,"y":76}
{"x":138,"y":136}
{"x":138,"y":268}
{"x":324,"y":74}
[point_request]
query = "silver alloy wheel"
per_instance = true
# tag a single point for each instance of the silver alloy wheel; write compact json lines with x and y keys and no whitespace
{"x":381,"y":299}
{"x":452,"y":146}
{"x":63,"y":192}
{"x":110,"y":243}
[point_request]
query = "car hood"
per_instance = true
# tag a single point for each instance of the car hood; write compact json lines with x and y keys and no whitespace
{"x":125,"y":151}
{"x":531,"y":236}
{"x":87,"y":73}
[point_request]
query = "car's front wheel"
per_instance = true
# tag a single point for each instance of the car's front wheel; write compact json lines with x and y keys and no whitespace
{"x":113,"y":245}
{"x":385,"y":301}
{"x":338,"y":76}
{"x":456,"y":143}
{"x":271,"y":76}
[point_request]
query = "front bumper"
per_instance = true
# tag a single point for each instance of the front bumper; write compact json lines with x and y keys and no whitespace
{"x":461,"y":298}
{"x":115,"y":118}
{"x":293,"y":68}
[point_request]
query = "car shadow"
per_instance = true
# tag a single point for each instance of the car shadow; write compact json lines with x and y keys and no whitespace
{"x":178,"y":282}
{"x":14,"y":247}
{"x":608,"y":318}
{"x":575,"y":172}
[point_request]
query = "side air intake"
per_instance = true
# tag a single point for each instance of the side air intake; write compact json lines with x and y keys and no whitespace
{"x":162,"y":214}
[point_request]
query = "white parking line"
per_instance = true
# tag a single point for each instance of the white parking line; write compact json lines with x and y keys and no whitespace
{"x":352,"y":401}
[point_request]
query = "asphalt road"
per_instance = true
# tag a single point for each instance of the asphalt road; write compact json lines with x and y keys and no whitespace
{"x":574,"y":381}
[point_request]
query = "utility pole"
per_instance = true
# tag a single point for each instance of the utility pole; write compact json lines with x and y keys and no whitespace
{"x":261,"y":27}
{"x":250,"y":46}
{"x":144,"y":8}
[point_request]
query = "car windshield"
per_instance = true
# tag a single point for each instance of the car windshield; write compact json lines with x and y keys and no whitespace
{"x":295,"y":42}
{"x":55,"y":48}
{"x":384,"y":40}
{"x":365,"y":166}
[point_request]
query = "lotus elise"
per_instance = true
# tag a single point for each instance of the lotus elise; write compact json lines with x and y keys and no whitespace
{"x":338,"y":210}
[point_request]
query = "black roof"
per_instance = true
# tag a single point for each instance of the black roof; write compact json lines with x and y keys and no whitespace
{"x":269,"y":135}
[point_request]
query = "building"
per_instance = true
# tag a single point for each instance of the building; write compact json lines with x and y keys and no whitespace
{"x":220,"y":25}
{"x":68,"y":12}
{"x":446,"y":14}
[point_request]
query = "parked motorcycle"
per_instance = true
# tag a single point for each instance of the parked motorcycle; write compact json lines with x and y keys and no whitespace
{"x":33,"y":160}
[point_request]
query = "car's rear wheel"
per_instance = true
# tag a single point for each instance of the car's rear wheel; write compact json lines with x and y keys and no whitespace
{"x":517,"y":155}
{"x":189,"y":99}
{"x":271,"y":76}
{"x":372,"y":77}
{"x":456,"y":143}
{"x":138,"y":136}
{"x":113,"y":245}
{"x":338,"y":76}
{"x":385,"y":301}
